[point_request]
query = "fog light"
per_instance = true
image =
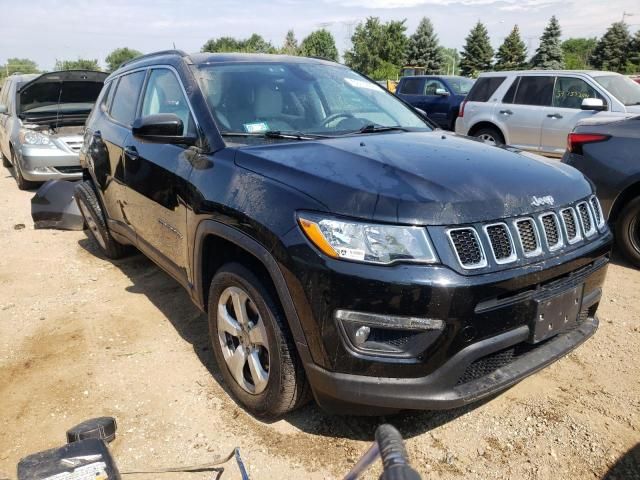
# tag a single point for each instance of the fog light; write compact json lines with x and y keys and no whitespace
{"x":362,"y":334}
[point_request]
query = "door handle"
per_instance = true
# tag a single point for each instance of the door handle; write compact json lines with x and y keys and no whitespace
{"x":506,"y":112}
{"x":131,"y":153}
{"x":554,"y":115}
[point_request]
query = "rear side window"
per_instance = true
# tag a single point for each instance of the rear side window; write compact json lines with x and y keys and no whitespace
{"x":535,"y":91}
{"x":484,"y":88}
{"x":412,"y":86}
{"x":125,"y":101}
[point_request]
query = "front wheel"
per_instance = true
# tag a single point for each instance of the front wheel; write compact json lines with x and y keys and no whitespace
{"x":252,"y":344}
{"x":23,"y":184}
{"x":628,"y":231}
{"x":490,"y":136}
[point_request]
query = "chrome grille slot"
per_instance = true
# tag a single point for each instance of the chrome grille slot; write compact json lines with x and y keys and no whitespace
{"x":597,"y":211}
{"x":570,"y":222}
{"x":586,"y":220}
{"x":467,"y":247}
{"x":551,"y":228}
{"x":501,"y":243}
{"x":528,"y":233}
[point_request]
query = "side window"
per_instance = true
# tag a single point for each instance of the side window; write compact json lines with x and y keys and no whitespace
{"x":164,"y":95}
{"x":570,"y":92}
{"x":125,"y":100}
{"x":107,"y":95}
{"x":433,"y":85}
{"x":535,"y":91}
{"x":511,"y":93}
{"x":484,"y":88}
{"x":412,"y":86}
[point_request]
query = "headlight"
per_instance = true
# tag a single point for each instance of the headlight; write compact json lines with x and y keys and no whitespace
{"x":365,"y":242}
{"x":32,"y":137}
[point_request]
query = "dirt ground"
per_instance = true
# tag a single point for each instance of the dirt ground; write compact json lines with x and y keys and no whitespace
{"x":81,"y":337}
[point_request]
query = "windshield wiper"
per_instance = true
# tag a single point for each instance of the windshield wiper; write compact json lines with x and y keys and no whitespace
{"x":372,"y":128}
{"x":276,"y":134}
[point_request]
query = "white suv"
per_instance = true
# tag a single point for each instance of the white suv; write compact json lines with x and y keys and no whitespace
{"x":536,"y":109}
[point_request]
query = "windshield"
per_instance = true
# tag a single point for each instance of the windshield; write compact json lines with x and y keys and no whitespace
{"x":305,"y":98}
{"x":460,"y":85}
{"x":621,"y":87}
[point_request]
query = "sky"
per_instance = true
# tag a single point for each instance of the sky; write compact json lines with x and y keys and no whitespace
{"x":46,"y":30}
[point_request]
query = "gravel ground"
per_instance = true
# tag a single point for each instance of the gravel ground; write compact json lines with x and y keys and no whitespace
{"x":81,"y":336}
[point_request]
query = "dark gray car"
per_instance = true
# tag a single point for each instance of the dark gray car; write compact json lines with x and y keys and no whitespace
{"x":607,"y":151}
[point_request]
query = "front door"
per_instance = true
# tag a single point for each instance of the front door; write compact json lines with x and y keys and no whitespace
{"x":565,"y":112}
{"x":436,"y":106}
{"x":157,"y":175}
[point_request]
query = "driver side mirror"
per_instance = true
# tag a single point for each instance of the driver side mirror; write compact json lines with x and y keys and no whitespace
{"x":3,"y":109}
{"x":442,"y":92}
{"x":162,"y":128}
{"x":595,"y":104}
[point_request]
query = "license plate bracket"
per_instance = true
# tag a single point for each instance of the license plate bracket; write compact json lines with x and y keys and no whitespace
{"x":556,"y":313}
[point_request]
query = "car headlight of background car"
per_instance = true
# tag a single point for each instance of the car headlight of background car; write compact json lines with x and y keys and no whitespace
{"x":33,"y":137}
{"x":367,"y":242}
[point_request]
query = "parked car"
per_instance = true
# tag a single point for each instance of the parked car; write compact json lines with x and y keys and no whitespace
{"x":338,"y":244}
{"x":438,"y":96}
{"x":606,"y":151}
{"x":41,"y":122}
{"x":535,"y":110}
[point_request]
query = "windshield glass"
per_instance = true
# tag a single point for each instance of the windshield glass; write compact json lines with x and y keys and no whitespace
{"x":621,"y":87}
{"x":460,"y":85}
{"x":305,"y":98}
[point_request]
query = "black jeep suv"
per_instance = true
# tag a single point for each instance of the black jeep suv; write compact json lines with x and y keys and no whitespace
{"x":341,"y":246}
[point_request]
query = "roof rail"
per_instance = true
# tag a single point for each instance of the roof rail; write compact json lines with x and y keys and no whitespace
{"x":155,"y":54}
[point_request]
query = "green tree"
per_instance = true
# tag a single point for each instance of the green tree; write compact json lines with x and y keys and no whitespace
{"x":423,"y":49}
{"x":577,"y":52}
{"x":612,"y":50}
{"x":319,"y":44}
{"x":378,"y":48}
{"x":451,"y":61}
{"x":549,"y":56}
{"x":18,"y":65}
{"x":290,"y":46}
{"x":512,"y":54}
{"x":79,"y":64}
{"x":477,"y":53}
{"x":120,"y":55}
{"x":254,"y":44}
{"x":634,"y":53}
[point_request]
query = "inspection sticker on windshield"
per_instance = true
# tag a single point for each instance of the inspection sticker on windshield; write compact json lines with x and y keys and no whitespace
{"x":351,"y":253}
{"x":361,"y":84}
{"x":257,"y":127}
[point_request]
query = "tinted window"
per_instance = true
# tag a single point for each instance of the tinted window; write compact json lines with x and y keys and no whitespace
{"x":412,"y":86}
{"x":164,"y":95}
{"x":433,"y":85}
{"x":125,"y":101}
{"x":484,"y":88}
{"x":570,"y":92}
{"x":535,"y":91}
{"x":511,"y":93}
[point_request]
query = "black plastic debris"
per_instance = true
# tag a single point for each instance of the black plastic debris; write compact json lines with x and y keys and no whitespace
{"x":54,"y":206}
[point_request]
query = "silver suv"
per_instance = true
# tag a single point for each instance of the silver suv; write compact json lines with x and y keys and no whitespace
{"x":535,"y":110}
{"x":41,"y":123}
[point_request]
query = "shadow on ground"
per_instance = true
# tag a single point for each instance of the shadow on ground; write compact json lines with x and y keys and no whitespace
{"x":627,"y":466}
{"x":175,"y":304}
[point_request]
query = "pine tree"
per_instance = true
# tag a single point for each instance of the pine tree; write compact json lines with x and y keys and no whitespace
{"x":477,"y":54}
{"x":634,"y":52}
{"x":423,"y":49}
{"x":612,"y":50}
{"x":549,"y":55}
{"x":290,"y":46}
{"x":320,"y":44}
{"x":512,"y":54}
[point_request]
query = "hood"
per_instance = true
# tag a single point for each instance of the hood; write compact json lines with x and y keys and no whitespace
{"x":44,"y":94}
{"x":431,"y":178}
{"x":633,"y":109}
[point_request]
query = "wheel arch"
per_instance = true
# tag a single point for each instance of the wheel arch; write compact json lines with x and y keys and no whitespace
{"x":629,"y":193}
{"x":486,"y":124}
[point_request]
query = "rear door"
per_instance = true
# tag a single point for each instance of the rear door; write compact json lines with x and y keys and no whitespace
{"x":157,"y":176}
{"x":565,"y":112}
{"x":411,"y":90}
{"x":522,"y":110}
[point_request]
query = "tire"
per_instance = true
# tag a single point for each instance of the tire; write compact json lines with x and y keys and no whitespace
{"x":490,"y":135}
{"x":20,"y":180}
{"x":95,"y":220}
{"x":262,"y":337}
{"x":628,"y":231}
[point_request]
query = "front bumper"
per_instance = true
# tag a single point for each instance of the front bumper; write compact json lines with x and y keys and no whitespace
{"x":42,"y":164}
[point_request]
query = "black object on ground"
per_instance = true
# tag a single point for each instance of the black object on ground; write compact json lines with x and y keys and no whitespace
{"x":54,"y":206}
{"x":103,"y":428}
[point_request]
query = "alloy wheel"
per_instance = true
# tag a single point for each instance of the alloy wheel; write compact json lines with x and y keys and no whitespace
{"x":488,"y":138}
{"x":243,"y":340}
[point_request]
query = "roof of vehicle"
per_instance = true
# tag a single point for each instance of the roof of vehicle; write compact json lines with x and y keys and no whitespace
{"x":592,"y":73}
{"x":435,"y":75}
{"x":23,"y":77}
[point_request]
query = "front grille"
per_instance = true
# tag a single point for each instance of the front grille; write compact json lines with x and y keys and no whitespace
{"x":467,"y":246}
{"x":585,"y":218}
{"x":72,"y":169}
{"x":597,"y":211}
{"x":528,"y":237}
{"x":487,"y":365}
{"x":501,"y":243}
{"x":74,"y":145}
{"x":551,"y":230}
{"x":570,"y":227}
